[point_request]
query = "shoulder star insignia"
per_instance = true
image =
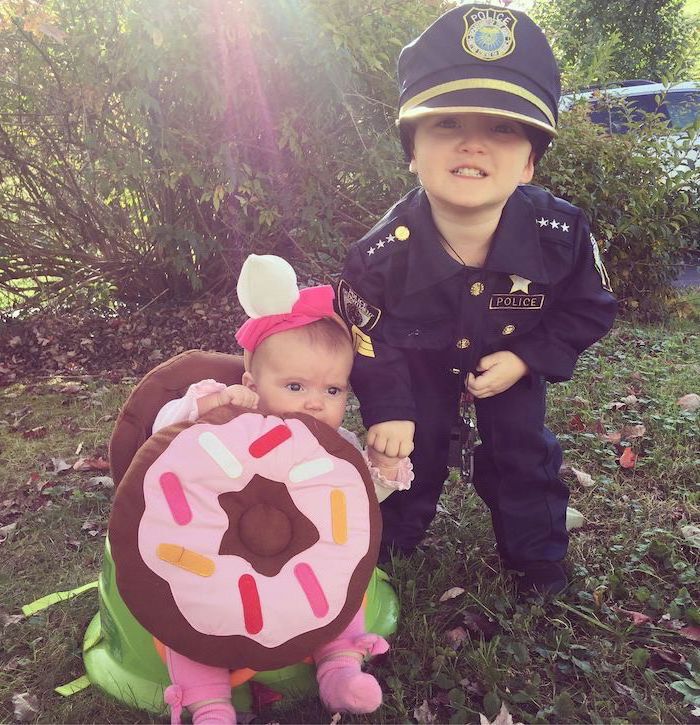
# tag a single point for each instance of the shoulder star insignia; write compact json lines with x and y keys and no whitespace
{"x":390,"y":238}
{"x":555,"y":224}
{"x":564,"y":227}
{"x":380,"y":243}
{"x":370,"y":251}
{"x":520,"y":284}
{"x":543,"y":222}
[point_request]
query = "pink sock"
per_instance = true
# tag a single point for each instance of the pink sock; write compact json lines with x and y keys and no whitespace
{"x":344,"y":687}
{"x":341,"y":683}
{"x":193,"y":682}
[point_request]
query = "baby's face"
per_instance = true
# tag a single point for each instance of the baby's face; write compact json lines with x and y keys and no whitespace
{"x":292,"y":375}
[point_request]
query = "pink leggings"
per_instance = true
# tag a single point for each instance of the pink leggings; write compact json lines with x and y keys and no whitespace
{"x":203,"y":682}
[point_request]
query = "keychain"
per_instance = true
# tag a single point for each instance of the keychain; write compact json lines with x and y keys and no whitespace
{"x":463,"y":440}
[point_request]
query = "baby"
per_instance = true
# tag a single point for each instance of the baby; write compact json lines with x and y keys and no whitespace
{"x":298,"y":356}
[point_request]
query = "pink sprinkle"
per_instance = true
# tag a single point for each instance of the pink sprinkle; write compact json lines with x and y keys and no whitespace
{"x":311,"y":587}
{"x":175,"y":498}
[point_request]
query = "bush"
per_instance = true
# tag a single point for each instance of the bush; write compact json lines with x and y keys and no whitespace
{"x":642,"y":216}
{"x":150,"y":145}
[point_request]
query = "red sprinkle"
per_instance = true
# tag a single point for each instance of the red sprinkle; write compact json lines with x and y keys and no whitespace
{"x":252,"y":614}
{"x":273,"y":438}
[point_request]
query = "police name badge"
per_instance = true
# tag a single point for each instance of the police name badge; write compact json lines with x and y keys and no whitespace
{"x":489,"y":33}
{"x":355,"y":310}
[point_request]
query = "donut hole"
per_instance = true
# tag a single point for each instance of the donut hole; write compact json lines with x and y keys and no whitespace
{"x":265,"y":530}
{"x":265,"y":526}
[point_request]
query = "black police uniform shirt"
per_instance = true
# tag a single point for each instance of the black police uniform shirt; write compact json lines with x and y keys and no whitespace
{"x":542,"y":293}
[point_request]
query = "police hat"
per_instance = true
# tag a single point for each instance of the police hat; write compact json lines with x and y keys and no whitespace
{"x":481,"y":59}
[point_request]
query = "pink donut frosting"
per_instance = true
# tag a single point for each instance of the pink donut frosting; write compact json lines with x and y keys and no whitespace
{"x":184,"y":524}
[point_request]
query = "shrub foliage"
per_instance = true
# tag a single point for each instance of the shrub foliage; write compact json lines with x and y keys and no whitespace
{"x":147,"y":146}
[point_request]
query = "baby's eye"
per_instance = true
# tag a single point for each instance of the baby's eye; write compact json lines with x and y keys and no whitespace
{"x":334,"y":391}
{"x":294,"y":387}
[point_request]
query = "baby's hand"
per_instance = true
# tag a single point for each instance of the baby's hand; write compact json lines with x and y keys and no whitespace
{"x":499,"y":371}
{"x":238,"y":395}
{"x":232,"y":395}
{"x":393,"y":438}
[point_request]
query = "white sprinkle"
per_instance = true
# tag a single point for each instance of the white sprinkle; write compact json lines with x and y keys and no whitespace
{"x":221,"y":455}
{"x":310,"y":469}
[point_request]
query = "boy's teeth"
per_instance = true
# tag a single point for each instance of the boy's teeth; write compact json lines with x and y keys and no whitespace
{"x":468,"y":172}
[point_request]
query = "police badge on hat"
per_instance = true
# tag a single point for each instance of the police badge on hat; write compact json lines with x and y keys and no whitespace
{"x":489,"y":33}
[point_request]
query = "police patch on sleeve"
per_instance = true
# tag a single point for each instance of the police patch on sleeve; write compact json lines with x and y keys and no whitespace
{"x":355,"y":310}
{"x":600,"y":267}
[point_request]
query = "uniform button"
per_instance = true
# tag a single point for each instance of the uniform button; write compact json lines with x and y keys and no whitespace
{"x":402,"y":233}
{"x":509,"y":329}
{"x":476,"y":289}
{"x":464,"y":343}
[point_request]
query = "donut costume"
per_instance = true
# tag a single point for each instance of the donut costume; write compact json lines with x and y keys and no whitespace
{"x":244,"y":540}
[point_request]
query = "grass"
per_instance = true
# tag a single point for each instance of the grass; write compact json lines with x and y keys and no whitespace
{"x":578,"y":660}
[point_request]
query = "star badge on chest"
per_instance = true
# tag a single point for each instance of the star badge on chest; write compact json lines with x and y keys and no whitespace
{"x":520,"y":284}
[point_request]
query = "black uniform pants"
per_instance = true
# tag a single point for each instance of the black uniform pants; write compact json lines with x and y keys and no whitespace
{"x":516,"y":466}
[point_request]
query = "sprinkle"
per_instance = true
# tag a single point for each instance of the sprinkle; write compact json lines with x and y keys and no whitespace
{"x":339,"y":516}
{"x":312,"y":589}
{"x":175,"y":498}
{"x":221,"y":455}
{"x":310,"y":469}
{"x":252,"y":614}
{"x":270,"y":440}
{"x":186,"y":559}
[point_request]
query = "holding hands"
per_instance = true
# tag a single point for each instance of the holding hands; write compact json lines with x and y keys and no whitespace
{"x":392,"y":438}
{"x":499,"y":371}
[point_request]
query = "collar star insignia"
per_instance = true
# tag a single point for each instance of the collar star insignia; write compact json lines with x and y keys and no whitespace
{"x":380,"y":243}
{"x":520,"y":284}
{"x":370,"y":251}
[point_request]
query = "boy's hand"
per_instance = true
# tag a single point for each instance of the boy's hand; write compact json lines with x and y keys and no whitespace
{"x":393,"y":438}
{"x":499,"y":371}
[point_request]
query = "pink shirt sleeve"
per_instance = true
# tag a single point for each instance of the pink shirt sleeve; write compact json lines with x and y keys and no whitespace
{"x":185,"y":408}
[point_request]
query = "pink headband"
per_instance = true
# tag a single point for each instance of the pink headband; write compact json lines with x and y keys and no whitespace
{"x":314,"y":303}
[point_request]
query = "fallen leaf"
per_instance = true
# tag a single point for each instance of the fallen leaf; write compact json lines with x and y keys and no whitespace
{"x":584,"y":479}
{"x":503,"y":718}
{"x":662,"y":657}
{"x":637,"y":618}
{"x":633,"y":431}
{"x":690,"y":402}
{"x":692,"y":632}
{"x":455,"y":637}
{"x":451,"y":593}
{"x":60,"y":465}
{"x":424,"y":715}
{"x":628,"y":459}
{"x":575,"y":423}
{"x":630,"y":400}
{"x":615,"y":437}
{"x":691,"y":534}
{"x":38,"y":432}
{"x":7,"y":619}
{"x":26,"y":706}
{"x":574,"y":519}
{"x":91,"y":464}
{"x":5,"y":530}
{"x":479,"y":624}
{"x":103,"y":481}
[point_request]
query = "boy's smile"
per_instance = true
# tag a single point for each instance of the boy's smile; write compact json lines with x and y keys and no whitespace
{"x":470,"y":163}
